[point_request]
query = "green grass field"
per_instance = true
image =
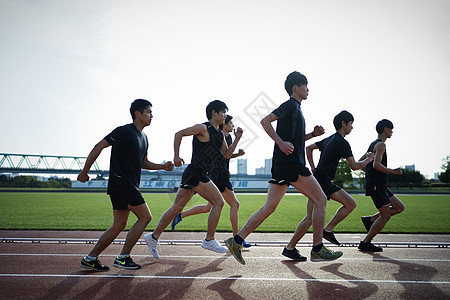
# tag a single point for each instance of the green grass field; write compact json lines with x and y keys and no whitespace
{"x":92,"y":211}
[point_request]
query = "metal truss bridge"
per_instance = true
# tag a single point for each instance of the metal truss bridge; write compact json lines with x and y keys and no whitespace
{"x":45,"y":164}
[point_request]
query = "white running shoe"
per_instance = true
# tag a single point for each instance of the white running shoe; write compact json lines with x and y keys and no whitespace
{"x":152,"y":244}
{"x":213,"y":245}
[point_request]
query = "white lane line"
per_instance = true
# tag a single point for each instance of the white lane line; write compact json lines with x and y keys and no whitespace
{"x":229,"y":278}
{"x":229,"y":256}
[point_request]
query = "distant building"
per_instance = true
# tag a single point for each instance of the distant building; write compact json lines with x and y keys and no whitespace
{"x":436,"y":176}
{"x":242,"y":166}
{"x":411,"y":167}
{"x":266,"y":170}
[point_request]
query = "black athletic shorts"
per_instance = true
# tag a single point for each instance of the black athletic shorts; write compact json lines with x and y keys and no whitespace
{"x":121,"y":199}
{"x":285,"y":173}
{"x":380,"y":195}
{"x":327,"y":186}
{"x":192,"y":176}
{"x":222,"y":183}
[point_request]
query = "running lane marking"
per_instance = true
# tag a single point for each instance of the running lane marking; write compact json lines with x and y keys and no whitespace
{"x":228,"y":278}
{"x":228,"y":256}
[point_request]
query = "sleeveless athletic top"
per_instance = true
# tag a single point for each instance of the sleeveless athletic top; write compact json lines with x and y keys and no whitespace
{"x":374,"y":177}
{"x":221,"y":167}
{"x":204,"y":154}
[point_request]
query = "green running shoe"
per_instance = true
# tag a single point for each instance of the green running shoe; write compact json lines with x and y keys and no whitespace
{"x":94,"y":264}
{"x":325,"y":254}
{"x":235,"y":249}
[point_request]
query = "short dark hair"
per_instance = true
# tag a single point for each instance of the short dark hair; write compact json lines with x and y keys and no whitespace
{"x":342,"y":116}
{"x":139,"y":105}
{"x":227,"y":120}
{"x":295,"y":78}
{"x":385,"y":123}
{"x":215,"y":105}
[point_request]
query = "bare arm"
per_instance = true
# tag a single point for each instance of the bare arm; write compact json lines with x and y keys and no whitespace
{"x":146,"y":164}
{"x":379,"y":150}
{"x":199,"y":129}
{"x":362,"y":163}
{"x":93,"y":155}
{"x":318,"y":130}
{"x":227,"y":152}
{"x":240,"y":153}
{"x":286,"y":147}
{"x":309,"y":156}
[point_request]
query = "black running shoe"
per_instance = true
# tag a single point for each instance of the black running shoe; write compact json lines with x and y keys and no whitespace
{"x":293,"y":254}
{"x":367,"y":222}
{"x":329,"y":236}
{"x":126,"y":263}
{"x":369,"y":247}
{"x":93,"y":265}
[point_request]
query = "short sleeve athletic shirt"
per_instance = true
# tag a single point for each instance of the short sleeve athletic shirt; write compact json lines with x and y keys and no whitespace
{"x":221,"y":167}
{"x":332,"y":149}
{"x":204,"y":154}
{"x":129,"y":147}
{"x":374,"y":177}
{"x":290,"y":128}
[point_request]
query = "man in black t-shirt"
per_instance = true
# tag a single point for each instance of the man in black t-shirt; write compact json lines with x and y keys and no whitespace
{"x":288,"y":168}
{"x":208,"y":145}
{"x":128,"y":156}
{"x":376,"y":172}
{"x":332,"y":149}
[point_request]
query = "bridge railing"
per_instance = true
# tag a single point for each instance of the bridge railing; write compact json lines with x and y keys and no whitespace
{"x":30,"y":163}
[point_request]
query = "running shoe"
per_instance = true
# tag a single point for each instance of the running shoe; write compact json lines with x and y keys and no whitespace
{"x":152,"y":244}
{"x":246,"y":245}
{"x":329,"y":236}
{"x":325,"y":254}
{"x":293,"y":254}
{"x":93,"y":265}
{"x":367,"y":222}
{"x":369,"y":247}
{"x":213,"y":245}
{"x":126,"y":263}
{"x":235,"y":249}
{"x":175,"y":221}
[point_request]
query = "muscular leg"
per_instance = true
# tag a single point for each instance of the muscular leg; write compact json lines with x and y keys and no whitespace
{"x":231,"y":199}
{"x":181,"y":199}
{"x":348,"y":205}
{"x":379,"y":223}
{"x":308,"y":186}
{"x":303,"y":226}
{"x":274,"y":196}
{"x":210,"y":192}
{"x":198,"y":209}
{"x":119,"y":223}
{"x":143,"y":218}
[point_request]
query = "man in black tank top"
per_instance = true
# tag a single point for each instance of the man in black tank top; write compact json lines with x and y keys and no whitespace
{"x":376,"y":172}
{"x":207,"y":146}
{"x":220,"y":175}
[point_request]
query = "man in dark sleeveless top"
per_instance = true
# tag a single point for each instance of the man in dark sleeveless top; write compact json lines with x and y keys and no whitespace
{"x":332,"y":149}
{"x":288,"y":168}
{"x":376,"y":173}
{"x":208,"y":145}
{"x":128,"y":156}
{"x":220,"y":175}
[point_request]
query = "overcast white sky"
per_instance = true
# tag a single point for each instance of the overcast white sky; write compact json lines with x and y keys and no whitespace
{"x":70,"y":69}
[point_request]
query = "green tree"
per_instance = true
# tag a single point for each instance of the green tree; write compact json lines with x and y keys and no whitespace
{"x":361,"y":176}
{"x":408,"y":178}
{"x":343,"y":174}
{"x":445,"y":176}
